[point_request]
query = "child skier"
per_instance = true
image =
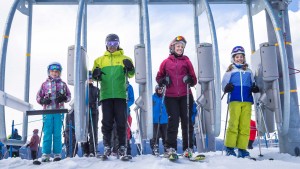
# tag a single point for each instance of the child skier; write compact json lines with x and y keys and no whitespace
{"x":252,"y":134}
{"x":52,"y":95}
{"x":160,"y":120}
{"x":33,"y":144}
{"x":88,"y":147}
{"x":177,"y":73}
{"x":239,"y":83}
{"x":112,"y":69}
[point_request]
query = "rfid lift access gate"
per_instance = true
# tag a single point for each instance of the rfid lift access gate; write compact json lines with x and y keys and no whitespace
{"x":288,"y":122}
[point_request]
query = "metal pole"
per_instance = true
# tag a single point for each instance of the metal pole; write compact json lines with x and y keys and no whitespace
{"x":12,"y":133}
{"x":196,"y":25}
{"x":3,"y":63}
{"x":250,"y":27}
{"x":148,"y":89}
{"x":84,"y":34}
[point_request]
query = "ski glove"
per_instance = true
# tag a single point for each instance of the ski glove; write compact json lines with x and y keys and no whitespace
{"x":228,"y":88}
{"x":97,"y":73}
{"x":187,"y":79}
{"x":60,"y":98}
{"x":166,"y":81}
{"x":45,"y":101}
{"x":254,"y":88}
{"x":128,"y":66}
{"x":27,"y":145}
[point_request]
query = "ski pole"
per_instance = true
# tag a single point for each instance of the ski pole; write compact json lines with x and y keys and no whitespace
{"x":93,"y":134}
{"x":40,"y":141}
{"x":188,"y":113}
{"x":126,"y":110}
{"x":225,"y":128}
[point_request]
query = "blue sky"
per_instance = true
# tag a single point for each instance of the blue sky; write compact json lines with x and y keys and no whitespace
{"x":54,"y":31}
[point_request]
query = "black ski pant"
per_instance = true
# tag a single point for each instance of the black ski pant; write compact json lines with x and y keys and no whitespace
{"x":114,"y":110}
{"x":88,"y":147}
{"x":33,"y":154}
{"x":177,"y":108}
{"x":162,"y":133}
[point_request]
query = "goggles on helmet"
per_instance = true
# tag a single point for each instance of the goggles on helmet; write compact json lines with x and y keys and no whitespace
{"x":179,"y":38}
{"x":237,"y":49}
{"x":112,"y":43}
{"x":55,"y":67}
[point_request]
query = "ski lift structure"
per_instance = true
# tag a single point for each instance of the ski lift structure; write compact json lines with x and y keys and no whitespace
{"x":278,"y":97}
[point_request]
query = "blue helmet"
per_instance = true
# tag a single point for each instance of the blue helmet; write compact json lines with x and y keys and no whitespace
{"x":54,"y":66}
{"x":237,"y":50}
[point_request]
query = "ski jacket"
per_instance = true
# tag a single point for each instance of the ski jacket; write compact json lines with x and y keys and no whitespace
{"x":15,"y":136}
{"x":159,"y":108}
{"x":176,"y":68}
{"x":242,"y":81}
{"x":130,"y":97}
{"x":34,"y":142}
{"x":93,"y":96}
{"x":1,"y":145}
{"x":113,"y":80}
{"x":252,"y":130}
{"x":49,"y":89}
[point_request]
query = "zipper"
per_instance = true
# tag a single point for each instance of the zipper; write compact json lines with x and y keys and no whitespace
{"x":112,"y":81}
{"x":241,"y":86}
{"x":177,"y":75}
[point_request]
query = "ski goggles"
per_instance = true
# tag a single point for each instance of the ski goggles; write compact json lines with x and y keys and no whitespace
{"x":180,"y":38}
{"x":112,"y":43}
{"x":238,"y":48}
{"x":55,"y":67}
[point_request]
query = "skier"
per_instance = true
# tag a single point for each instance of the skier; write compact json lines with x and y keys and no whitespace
{"x":177,"y":73}
{"x":112,"y":69}
{"x":33,"y":144}
{"x":239,"y":83}
{"x":252,"y":134}
{"x":52,"y":95}
{"x":88,"y":147}
{"x":1,"y":154}
{"x":15,"y":149}
{"x":160,"y":120}
{"x":70,"y":128}
{"x":115,"y":143}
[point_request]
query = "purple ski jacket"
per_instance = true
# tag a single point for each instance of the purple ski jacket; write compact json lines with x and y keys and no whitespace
{"x":34,"y":142}
{"x":176,"y":68}
{"x":49,"y":89}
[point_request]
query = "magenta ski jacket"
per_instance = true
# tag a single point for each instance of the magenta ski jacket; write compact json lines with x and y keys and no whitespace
{"x":176,"y":68}
{"x":49,"y":89}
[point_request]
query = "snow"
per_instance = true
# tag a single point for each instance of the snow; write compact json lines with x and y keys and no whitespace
{"x":214,"y":160}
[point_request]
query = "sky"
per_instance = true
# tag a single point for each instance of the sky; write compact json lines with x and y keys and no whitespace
{"x":214,"y":160}
{"x":54,"y":31}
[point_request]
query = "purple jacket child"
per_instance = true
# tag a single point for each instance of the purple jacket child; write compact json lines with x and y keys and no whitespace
{"x":34,"y":141}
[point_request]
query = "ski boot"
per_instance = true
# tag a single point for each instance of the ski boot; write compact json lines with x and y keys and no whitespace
{"x":188,"y":153}
{"x":230,"y":151}
{"x":155,"y":150}
{"x":46,"y":158}
{"x":57,"y":157}
{"x":243,"y":153}
{"x":172,"y":155}
{"x":91,"y":155}
{"x":85,"y":155}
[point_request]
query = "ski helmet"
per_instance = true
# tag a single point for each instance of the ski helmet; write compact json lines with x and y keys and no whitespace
{"x":237,"y":50}
{"x":157,"y":87}
{"x":178,"y":39}
{"x":35,"y":130}
{"x":112,"y":40}
{"x":54,"y":66}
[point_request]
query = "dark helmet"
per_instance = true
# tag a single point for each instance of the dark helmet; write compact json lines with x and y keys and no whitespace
{"x":112,"y":37}
{"x":35,"y":130}
{"x":157,"y":87}
{"x":178,"y":39}
{"x":16,"y":131}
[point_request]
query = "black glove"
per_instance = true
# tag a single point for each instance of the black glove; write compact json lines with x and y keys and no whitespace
{"x":187,"y":79}
{"x":60,"y":98}
{"x":228,"y":88}
{"x":45,"y":101}
{"x":97,"y":73}
{"x":128,"y":66}
{"x":254,"y":88}
{"x":27,"y":145}
{"x":166,"y":81}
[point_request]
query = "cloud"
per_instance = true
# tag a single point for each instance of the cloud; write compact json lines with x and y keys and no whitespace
{"x":54,"y":31}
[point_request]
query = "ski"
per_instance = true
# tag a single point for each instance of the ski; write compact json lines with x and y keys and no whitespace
{"x":126,"y":158}
{"x":197,"y":158}
{"x":260,"y":159}
{"x":102,"y":157}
